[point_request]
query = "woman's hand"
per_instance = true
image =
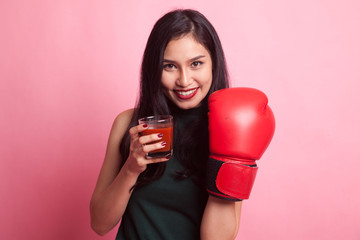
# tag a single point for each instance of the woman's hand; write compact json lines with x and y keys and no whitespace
{"x":140,"y":146}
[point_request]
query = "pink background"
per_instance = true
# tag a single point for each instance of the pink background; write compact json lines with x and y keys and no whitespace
{"x":67,"y":68}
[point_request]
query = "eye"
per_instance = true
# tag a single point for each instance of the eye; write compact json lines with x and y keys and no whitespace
{"x":169,"y":66}
{"x":196,"y":64}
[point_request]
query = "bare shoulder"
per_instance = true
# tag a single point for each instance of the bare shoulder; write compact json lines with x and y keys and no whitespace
{"x":122,"y":121}
{"x":125,"y":116}
{"x":113,"y":159}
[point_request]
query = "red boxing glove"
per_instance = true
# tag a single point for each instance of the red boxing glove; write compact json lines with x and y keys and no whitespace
{"x":241,"y":126}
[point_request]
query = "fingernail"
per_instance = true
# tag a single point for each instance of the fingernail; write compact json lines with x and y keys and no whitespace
{"x":168,"y":157}
{"x":163,"y":143}
{"x":160,"y":135}
{"x":144,"y":125}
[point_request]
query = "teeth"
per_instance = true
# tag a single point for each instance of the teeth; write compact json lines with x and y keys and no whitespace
{"x":182,"y":93}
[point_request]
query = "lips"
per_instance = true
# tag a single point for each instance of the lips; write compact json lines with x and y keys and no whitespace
{"x":186,"y":94}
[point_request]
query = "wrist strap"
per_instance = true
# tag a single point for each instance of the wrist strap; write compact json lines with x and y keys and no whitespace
{"x":230,"y":179}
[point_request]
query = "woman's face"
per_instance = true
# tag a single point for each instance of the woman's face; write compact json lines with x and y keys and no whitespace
{"x":187,"y":72}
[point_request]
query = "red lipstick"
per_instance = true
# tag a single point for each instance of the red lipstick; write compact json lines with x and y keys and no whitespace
{"x":186,"y":94}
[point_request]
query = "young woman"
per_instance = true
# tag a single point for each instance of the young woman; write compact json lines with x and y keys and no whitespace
{"x":164,"y":198}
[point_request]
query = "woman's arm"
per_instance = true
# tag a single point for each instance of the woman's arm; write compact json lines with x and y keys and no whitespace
{"x":112,"y":191}
{"x":221,"y":219}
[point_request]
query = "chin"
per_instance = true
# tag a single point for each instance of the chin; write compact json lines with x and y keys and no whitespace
{"x":186,"y":106}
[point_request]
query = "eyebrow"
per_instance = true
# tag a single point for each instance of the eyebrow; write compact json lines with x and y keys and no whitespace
{"x":192,"y":59}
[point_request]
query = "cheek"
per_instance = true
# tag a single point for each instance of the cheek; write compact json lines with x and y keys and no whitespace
{"x":166,"y":81}
{"x":166,"y":86}
{"x":206,"y":78}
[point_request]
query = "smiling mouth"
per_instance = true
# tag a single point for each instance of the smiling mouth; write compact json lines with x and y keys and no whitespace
{"x":186,"y":94}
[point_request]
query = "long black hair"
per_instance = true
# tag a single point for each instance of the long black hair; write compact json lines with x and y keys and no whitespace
{"x":152,"y":101}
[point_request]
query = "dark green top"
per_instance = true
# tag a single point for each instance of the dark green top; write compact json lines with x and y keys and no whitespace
{"x":168,"y":208}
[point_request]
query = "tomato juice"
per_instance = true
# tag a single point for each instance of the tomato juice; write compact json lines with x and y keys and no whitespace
{"x":167,"y":133}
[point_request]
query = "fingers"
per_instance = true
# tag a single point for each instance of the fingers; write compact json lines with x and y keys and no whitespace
{"x":146,"y":139}
{"x":141,"y":145}
{"x":134,"y":135}
{"x":152,"y":147}
{"x":157,"y":160}
{"x":155,"y":137}
{"x":134,"y":131}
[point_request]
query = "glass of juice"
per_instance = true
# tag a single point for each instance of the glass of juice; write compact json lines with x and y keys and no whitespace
{"x":161,"y":124}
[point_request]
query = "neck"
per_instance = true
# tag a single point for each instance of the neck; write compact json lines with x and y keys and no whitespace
{"x":202,"y":109}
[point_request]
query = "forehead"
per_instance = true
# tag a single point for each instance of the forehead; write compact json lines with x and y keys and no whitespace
{"x":185,"y":46}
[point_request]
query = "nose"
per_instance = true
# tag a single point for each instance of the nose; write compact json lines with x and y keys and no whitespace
{"x":185,"y":79}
